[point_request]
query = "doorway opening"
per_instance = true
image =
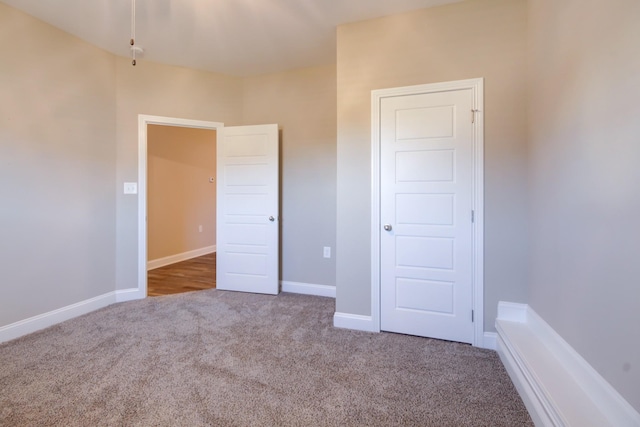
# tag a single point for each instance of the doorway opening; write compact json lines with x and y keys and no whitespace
{"x":181,"y":209}
{"x":176,"y":226}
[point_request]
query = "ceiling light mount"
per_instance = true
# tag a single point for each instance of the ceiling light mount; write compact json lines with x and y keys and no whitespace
{"x":136,"y":52}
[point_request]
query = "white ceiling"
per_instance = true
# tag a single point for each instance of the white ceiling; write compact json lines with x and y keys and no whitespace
{"x":237,"y":37}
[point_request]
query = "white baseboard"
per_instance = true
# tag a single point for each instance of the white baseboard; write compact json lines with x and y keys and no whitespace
{"x":172,"y":259}
{"x":309,"y":289}
{"x":41,"y":321}
{"x":354,"y":321}
{"x":365,"y":323}
{"x":123,"y":295}
{"x":490,"y":339}
{"x":558,"y":387}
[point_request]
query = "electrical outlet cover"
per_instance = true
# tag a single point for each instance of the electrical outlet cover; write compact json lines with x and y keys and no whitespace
{"x":130,"y":188}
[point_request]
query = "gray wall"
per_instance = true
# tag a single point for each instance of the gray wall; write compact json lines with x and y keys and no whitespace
{"x":584,"y":157}
{"x":159,"y":90}
{"x":484,"y":38}
{"x":57,"y":168}
{"x":303,"y":103}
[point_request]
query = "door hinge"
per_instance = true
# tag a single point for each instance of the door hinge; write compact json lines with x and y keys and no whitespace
{"x":473,"y":216}
{"x":472,"y":317}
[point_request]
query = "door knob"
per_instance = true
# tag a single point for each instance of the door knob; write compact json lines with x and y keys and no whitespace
{"x":388,"y":227}
{"x":271,"y":219}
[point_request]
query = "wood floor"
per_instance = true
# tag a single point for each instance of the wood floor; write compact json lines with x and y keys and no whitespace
{"x":195,"y":274}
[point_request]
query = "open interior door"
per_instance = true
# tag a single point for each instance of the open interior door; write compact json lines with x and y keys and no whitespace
{"x":248,"y":215}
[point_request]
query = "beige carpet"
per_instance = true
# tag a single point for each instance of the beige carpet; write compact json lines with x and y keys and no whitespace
{"x":221,"y":358}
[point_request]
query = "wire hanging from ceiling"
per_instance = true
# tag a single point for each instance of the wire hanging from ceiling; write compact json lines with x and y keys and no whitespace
{"x":133,"y":33}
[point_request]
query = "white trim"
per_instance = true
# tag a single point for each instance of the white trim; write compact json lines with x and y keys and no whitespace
{"x":375,"y":209}
{"x":184,"y":256}
{"x":521,"y":382}
{"x":477,"y":87}
{"x":41,"y":321}
{"x":354,"y":321}
{"x":143,"y":121}
{"x":512,"y":312}
{"x":489,"y":341}
{"x":124,"y":295}
{"x":44,"y":320}
{"x":558,"y":387}
{"x":308,"y":289}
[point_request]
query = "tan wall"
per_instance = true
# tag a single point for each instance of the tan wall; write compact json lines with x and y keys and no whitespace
{"x":476,"y":38}
{"x":180,"y":197}
{"x":303,"y":103}
{"x":160,"y":90}
{"x":57,"y":168}
{"x":584,"y":152}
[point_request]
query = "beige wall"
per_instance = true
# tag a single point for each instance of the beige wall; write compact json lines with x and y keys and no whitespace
{"x":180,"y":197}
{"x":584,"y":151}
{"x":159,"y":90}
{"x":57,"y":168}
{"x":303,"y":103}
{"x":483,"y":38}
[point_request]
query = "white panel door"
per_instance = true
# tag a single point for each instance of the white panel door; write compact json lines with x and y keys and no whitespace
{"x":248,"y":217}
{"x":426,"y":170}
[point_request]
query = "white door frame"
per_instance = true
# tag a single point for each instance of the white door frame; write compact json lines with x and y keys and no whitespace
{"x":477,"y":87}
{"x":143,"y":121}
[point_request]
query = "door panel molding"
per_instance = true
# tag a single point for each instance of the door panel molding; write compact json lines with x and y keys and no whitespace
{"x":476,"y":116}
{"x":248,"y":209}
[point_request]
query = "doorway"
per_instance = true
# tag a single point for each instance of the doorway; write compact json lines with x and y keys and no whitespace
{"x":427,"y":216}
{"x":247,"y":198}
{"x":181,"y":209}
{"x":144,"y":125}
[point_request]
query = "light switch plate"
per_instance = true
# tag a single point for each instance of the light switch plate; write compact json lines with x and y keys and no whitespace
{"x":130,"y":188}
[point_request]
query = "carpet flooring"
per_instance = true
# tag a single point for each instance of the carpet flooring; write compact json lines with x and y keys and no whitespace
{"x":215,"y":358}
